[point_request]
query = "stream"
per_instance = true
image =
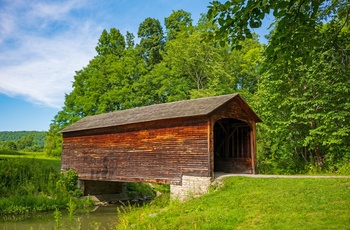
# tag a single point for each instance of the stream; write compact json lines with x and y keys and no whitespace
{"x":100,"y":217}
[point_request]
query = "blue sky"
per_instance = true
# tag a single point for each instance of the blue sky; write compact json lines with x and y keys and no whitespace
{"x":43,"y":43}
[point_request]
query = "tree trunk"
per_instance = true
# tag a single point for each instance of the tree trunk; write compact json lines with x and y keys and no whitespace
{"x":318,"y":156}
{"x":312,"y":160}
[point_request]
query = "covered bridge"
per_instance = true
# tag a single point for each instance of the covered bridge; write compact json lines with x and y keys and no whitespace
{"x":179,"y":143}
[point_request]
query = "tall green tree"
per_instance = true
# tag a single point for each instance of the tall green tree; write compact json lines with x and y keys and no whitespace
{"x":199,"y":65}
{"x":152,"y":41}
{"x":111,"y":43}
{"x":178,"y":21}
{"x":197,"y":69}
{"x":130,"y":42}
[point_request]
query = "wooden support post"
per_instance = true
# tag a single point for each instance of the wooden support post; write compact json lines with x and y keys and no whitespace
{"x":252,"y":147}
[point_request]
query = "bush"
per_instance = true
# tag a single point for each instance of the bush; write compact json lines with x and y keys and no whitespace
{"x":139,"y":189}
{"x":31,"y":185}
{"x":70,"y":178}
{"x":344,"y":170}
{"x":53,"y":152}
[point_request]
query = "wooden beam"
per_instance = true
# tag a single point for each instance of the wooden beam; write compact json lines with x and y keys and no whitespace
{"x":227,"y":138}
{"x":252,"y":148}
{"x":223,"y":128}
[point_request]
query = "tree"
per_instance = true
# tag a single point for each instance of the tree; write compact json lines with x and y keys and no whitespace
{"x":196,"y":63}
{"x":245,"y":65}
{"x":198,"y":69}
{"x":178,"y":21}
{"x":11,"y":145}
{"x":53,"y":139}
{"x":111,"y":43}
{"x":130,"y":42}
{"x":294,"y":20}
{"x":152,"y":41}
{"x":25,"y":142}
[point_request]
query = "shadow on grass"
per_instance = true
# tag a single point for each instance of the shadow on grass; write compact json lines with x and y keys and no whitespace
{"x":11,"y":152}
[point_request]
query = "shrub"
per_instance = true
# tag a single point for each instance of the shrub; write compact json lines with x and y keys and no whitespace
{"x":344,"y":170}
{"x":141,"y":189}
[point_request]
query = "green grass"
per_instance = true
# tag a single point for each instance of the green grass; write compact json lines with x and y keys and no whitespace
{"x":21,"y":154}
{"x":252,"y":203}
{"x":39,"y":156}
{"x":32,"y":182}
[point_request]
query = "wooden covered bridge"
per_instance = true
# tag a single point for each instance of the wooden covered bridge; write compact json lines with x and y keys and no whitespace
{"x":179,"y":143}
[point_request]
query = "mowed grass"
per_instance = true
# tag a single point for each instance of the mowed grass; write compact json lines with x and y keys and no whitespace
{"x":40,"y":156}
{"x":253,"y":203}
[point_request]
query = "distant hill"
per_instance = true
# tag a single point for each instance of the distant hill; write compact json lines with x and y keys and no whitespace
{"x":16,"y":136}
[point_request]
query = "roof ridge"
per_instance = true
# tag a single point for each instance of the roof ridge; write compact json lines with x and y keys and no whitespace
{"x":171,"y":102}
{"x":176,"y":109}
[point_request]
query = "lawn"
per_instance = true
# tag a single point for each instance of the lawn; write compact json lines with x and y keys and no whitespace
{"x":253,"y":203}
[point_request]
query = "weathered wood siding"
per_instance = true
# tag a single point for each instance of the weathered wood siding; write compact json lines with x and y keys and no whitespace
{"x":233,"y":109}
{"x":154,"y":151}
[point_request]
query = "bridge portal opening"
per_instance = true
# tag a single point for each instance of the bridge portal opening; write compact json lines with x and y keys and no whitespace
{"x":232,"y":146}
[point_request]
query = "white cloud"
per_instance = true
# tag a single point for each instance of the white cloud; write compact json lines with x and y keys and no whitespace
{"x":6,"y":26}
{"x":43,"y":42}
{"x":46,"y":76}
{"x":39,"y":62}
{"x":7,"y":23}
{"x":55,"y":10}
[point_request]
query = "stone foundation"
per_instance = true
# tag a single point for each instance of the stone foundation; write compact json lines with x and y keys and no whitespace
{"x":192,"y":186}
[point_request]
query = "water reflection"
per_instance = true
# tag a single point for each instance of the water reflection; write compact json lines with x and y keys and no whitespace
{"x":100,"y":217}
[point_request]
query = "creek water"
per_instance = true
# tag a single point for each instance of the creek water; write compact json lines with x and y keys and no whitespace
{"x":100,"y":217}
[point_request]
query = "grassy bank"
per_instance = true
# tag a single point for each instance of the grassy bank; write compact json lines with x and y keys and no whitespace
{"x":252,"y":203}
{"x":31,"y":182}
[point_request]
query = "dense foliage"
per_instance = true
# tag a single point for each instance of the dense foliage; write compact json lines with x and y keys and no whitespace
{"x":32,"y":141}
{"x":303,"y":82}
{"x":163,"y":67}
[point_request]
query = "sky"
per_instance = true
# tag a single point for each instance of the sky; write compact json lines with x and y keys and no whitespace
{"x":43,"y":43}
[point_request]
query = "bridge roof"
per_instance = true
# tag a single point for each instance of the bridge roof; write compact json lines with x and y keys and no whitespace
{"x":179,"y":109}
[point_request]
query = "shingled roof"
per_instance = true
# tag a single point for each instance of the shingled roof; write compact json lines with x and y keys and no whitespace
{"x":179,"y":109}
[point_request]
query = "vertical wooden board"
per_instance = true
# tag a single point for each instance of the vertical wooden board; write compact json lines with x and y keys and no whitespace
{"x":210,"y":147}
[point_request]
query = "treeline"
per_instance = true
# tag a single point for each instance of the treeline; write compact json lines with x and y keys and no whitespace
{"x":297,"y":83}
{"x":32,"y":141}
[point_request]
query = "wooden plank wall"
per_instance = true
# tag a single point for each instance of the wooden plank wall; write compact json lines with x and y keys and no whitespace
{"x":155,"y":151}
